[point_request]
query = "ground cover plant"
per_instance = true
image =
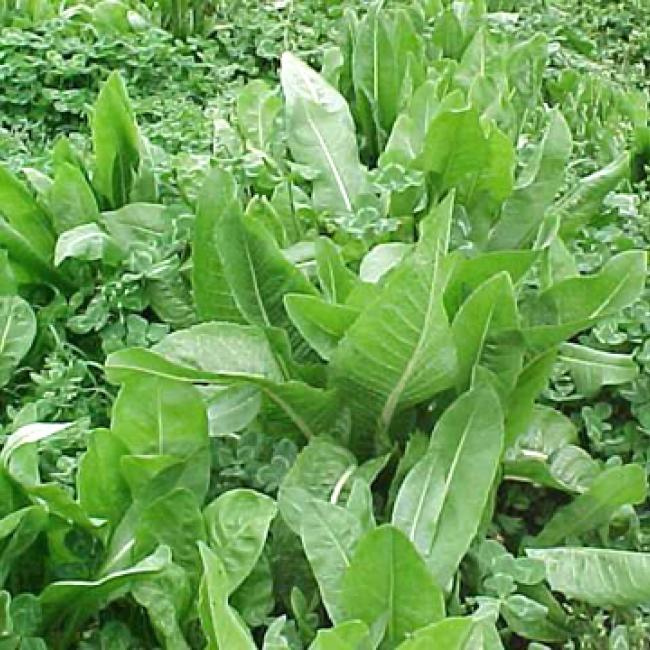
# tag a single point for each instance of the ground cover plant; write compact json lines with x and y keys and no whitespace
{"x":347,"y":387}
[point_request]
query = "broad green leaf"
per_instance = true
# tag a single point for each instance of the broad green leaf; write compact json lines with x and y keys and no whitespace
{"x":535,"y":188}
{"x":351,"y":635}
{"x":258,"y":273}
{"x":592,"y":369}
{"x":419,"y":502}
{"x":72,"y":601}
{"x":233,"y":408}
{"x":585,"y":200}
{"x":28,"y":260}
{"x":470,"y":273}
{"x":388,"y":580}
{"x":116,"y":144}
{"x":322,"y":136}
{"x":329,"y":535}
{"x":255,"y":597}
{"x":575,"y":303}
{"x":492,"y":306}
{"x":87,"y":242}
{"x":336,"y":280}
{"x":17,"y":333}
{"x":212,"y":294}
{"x":381,"y":259}
{"x":298,"y":409}
{"x":615,"y":487}
{"x":598,"y":576}
{"x":466,"y":444}
{"x":28,"y":434}
{"x":138,"y":225}
{"x":321,"y":468}
{"x":532,"y":380}
{"x":544,"y":447}
{"x":174,"y":520}
{"x":399,"y":352}
{"x":221,"y":624}
{"x":18,"y":531}
{"x":101,"y":488}
{"x":461,"y":153}
{"x":238,"y":522}
{"x":25,"y":215}
{"x":450,"y":634}
{"x":160,"y":416}
{"x":321,"y":324}
{"x":71,"y":199}
{"x":219,"y":347}
{"x":166,"y":598}
{"x":258,"y":107}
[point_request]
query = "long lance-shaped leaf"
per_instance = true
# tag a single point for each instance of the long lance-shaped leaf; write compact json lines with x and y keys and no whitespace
{"x":321,"y":135}
{"x":599,"y":576}
{"x":212,"y":294}
{"x":442,"y":499}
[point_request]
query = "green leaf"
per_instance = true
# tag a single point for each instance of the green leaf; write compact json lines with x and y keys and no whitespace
{"x":138,"y":225}
{"x":598,"y":576}
{"x":71,"y":199}
{"x":351,"y":635}
{"x":585,"y":200}
{"x":18,"y":531}
{"x":575,"y":303}
{"x":101,"y":488}
{"x":174,"y":520}
{"x":329,"y":535}
{"x":72,"y":601}
{"x":399,"y":352}
{"x":238,"y":522}
{"x":116,"y":143}
{"x":17,"y":333}
{"x":160,"y":416}
{"x":381,"y":259}
{"x":450,"y":634}
{"x":532,"y":380}
{"x":87,"y":242}
{"x":233,"y":408}
{"x":466,"y":446}
{"x":592,"y":369}
{"x":258,"y":273}
{"x":615,"y":487}
{"x":322,"y":136}
{"x":255,"y":598}
{"x":166,"y":598}
{"x":220,"y":347}
{"x":321,"y":468}
{"x":535,"y":188}
{"x":336,"y":280}
{"x":470,"y":273}
{"x":491,"y":307}
{"x":221,"y":624}
{"x":321,"y":324}
{"x":258,"y":107}
{"x":24,"y":214}
{"x":212,"y":295}
{"x":388,"y":581}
